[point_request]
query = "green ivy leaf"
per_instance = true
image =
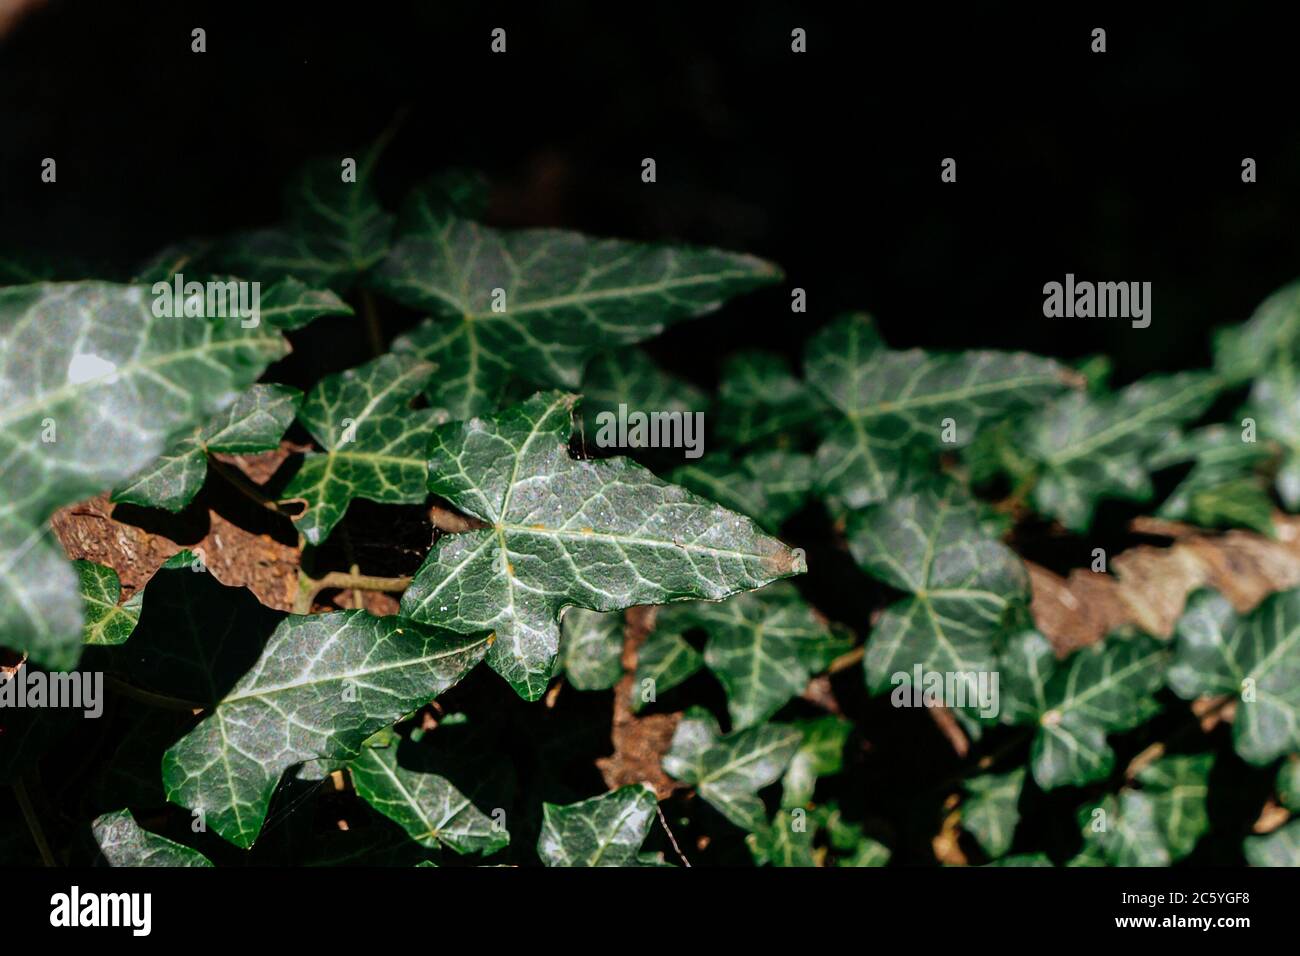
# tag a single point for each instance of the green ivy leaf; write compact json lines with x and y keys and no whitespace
{"x":991,"y":809}
{"x":322,"y":685}
{"x":767,"y":486}
{"x":1100,"y":689}
{"x":254,"y":423}
{"x":1271,"y":336}
{"x":629,"y":377}
{"x":787,"y":841}
{"x":604,"y":535}
{"x":965,"y":587}
{"x":372,"y":441}
{"x":1088,"y":448}
{"x":1255,"y":658}
{"x":1288,"y":783}
{"x":604,"y":831}
{"x":591,"y":648}
{"x":107,"y":620}
{"x":413,"y":786}
{"x":895,"y":403}
{"x":728,"y":770}
{"x":123,"y":842}
{"x":1275,"y":407}
{"x":763,"y":647}
{"x":761,"y":403}
{"x":1156,"y":823}
{"x":820,"y":754}
{"x":334,"y":233}
{"x":664,"y":660}
{"x":539,"y":303}
{"x":1224,"y":487}
{"x":1279,"y":848}
{"x":92,"y":387}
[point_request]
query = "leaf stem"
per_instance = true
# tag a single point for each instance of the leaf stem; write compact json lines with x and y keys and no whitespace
{"x":240,"y":482}
{"x":33,"y":823}
{"x":308,"y":588}
{"x":164,"y":701}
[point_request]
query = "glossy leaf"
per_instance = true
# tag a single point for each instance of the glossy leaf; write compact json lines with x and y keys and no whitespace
{"x":896,"y":404}
{"x":991,"y":810}
{"x":254,"y":423}
{"x":1255,"y":657}
{"x":763,"y":647}
{"x":372,"y":442}
{"x":539,"y":303}
{"x":108,"y":620}
{"x":728,"y":770}
{"x":964,"y":586}
{"x":92,"y":387}
{"x":591,"y":648}
{"x":604,"y":535}
{"x":123,"y":842}
{"x":604,"y":831}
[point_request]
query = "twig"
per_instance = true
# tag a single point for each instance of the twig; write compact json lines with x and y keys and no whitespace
{"x":663,"y":822}
{"x":308,"y":588}
{"x":847,"y":659}
{"x":33,"y":823}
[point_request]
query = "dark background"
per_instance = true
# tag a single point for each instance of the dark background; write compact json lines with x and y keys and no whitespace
{"x":1118,"y":166}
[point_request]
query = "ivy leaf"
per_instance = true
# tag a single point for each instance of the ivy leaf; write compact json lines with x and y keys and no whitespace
{"x":1255,"y":658}
{"x":630,"y":377}
{"x":1275,"y":406}
{"x":276,"y":690}
{"x":449,"y":192}
{"x":760,"y":402}
{"x":107,"y":620}
{"x":1288,"y":783}
{"x":1087,"y":448}
{"x":254,"y":423}
{"x":1100,"y":689}
{"x":767,"y":486}
{"x":123,"y":842}
{"x":92,"y":387}
{"x":1270,"y":337}
{"x":540,"y":302}
{"x":604,"y":831}
{"x":663,"y":661}
{"x":1279,"y":848}
{"x":965,"y":587}
{"x":1224,"y":487}
{"x":728,"y":770}
{"x":604,"y":535}
{"x":991,"y":809}
{"x":764,"y":647}
{"x":413,"y":786}
{"x":373,"y":442}
{"x":591,"y":648}
{"x":787,"y":841}
{"x":322,"y":685}
{"x":820,"y":754}
{"x":291,"y":304}
{"x":1157,"y":823}
{"x":895,"y":403}
{"x":849,"y":840}
{"x":335,"y":230}
{"x":1026,"y":663}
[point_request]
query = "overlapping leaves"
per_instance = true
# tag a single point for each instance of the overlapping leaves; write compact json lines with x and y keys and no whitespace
{"x":92,"y":387}
{"x":558,"y":531}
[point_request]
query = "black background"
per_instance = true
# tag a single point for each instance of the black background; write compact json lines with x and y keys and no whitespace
{"x":1117,"y":166}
